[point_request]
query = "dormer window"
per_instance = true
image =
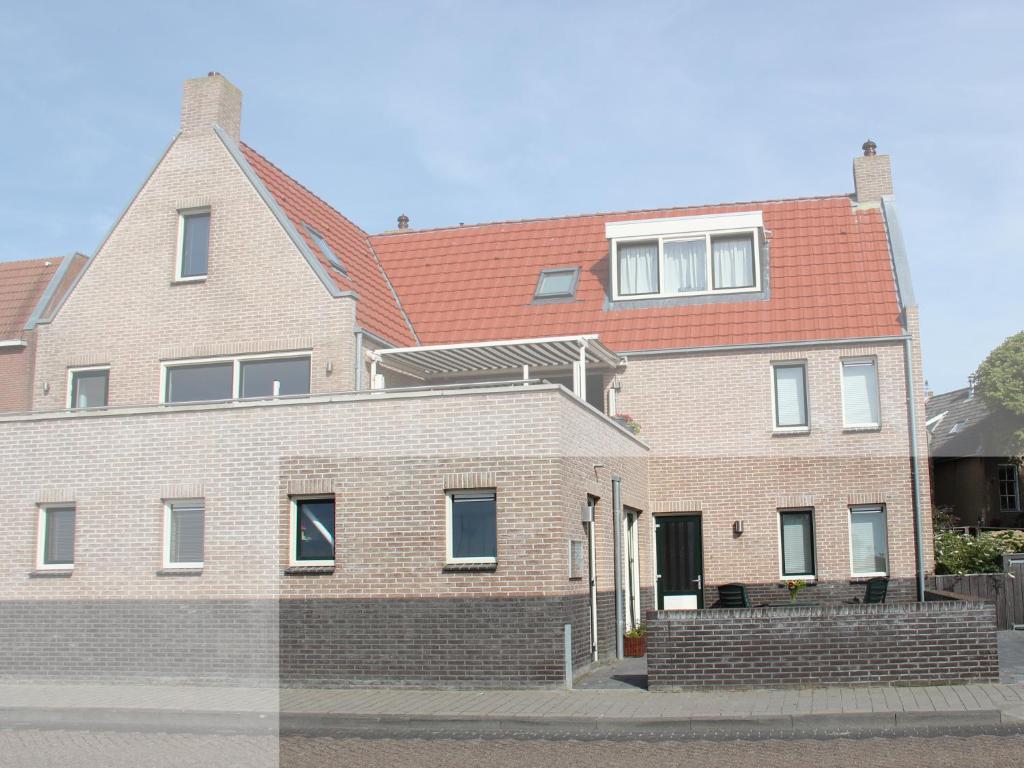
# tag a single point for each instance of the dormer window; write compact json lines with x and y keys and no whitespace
{"x":686,"y":256}
{"x":325,"y":249}
{"x":557,"y":284}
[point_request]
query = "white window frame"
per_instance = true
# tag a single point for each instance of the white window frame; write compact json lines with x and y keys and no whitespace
{"x":871,"y":360}
{"x":775,"y":398}
{"x":41,"y":565}
{"x":168,"y":504}
{"x":71,"y":379}
{"x":449,"y":558}
{"x":236,"y":376}
{"x":849,"y":530}
{"x":179,"y":251}
{"x":814,"y":544}
{"x":1016,"y":484}
{"x":293,"y":520}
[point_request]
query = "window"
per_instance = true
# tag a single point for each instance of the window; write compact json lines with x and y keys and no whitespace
{"x":312,"y":531}
{"x":1009,"y":488}
{"x":790,"y":396}
{"x":557,"y":284}
{"x":472,"y":527}
{"x":577,"y":560}
{"x":860,"y":394}
{"x":193,"y":244}
{"x":797,"y":539}
{"x":686,"y":255}
{"x":325,"y":249}
{"x":197,"y":383}
{"x":229,"y":378}
{"x":88,"y":387}
{"x":273,"y":378}
{"x":869,"y":549}
{"x":56,"y":537}
{"x":184,"y":523}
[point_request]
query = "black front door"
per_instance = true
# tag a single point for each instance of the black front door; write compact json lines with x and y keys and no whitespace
{"x":680,"y":563}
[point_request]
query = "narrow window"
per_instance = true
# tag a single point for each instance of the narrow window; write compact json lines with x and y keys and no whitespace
{"x":860,"y":394}
{"x":1009,"y":488}
{"x":194,"y":248}
{"x":198,"y":383}
{"x":790,"y":396}
{"x":732,"y":259}
{"x":638,"y":268}
{"x":275,"y":377}
{"x":797,"y":529}
{"x":89,"y":388}
{"x":472,"y":526}
{"x":685,"y":266}
{"x":313,"y":531}
{"x":56,"y":537}
{"x":184,"y":525}
{"x":557,"y":284}
{"x":869,"y":549}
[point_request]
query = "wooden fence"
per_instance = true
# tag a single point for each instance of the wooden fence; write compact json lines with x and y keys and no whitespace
{"x":1006,"y":590}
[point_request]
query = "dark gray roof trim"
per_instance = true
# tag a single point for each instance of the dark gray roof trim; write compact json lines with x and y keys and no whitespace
{"x":900,"y":263}
{"x":282,"y":219}
{"x":55,"y":280}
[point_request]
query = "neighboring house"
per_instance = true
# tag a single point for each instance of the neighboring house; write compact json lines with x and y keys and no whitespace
{"x":406,"y":452}
{"x":977,"y":487}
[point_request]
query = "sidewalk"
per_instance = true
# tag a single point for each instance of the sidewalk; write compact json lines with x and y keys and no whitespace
{"x":832,"y":710}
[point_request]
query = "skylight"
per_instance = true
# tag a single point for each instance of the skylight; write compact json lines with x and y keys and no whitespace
{"x":325,"y":249}
{"x":557,"y":283}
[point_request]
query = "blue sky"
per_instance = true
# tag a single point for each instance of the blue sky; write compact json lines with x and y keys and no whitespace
{"x":474,"y":111}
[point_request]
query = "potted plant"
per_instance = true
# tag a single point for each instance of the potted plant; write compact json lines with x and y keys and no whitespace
{"x":794,"y":586}
{"x":628,"y":422}
{"x":635,"y":641}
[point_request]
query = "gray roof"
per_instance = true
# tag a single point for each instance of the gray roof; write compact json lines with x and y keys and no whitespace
{"x":957,"y":423}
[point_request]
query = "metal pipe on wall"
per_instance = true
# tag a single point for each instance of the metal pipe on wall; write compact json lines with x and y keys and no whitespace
{"x":617,"y":538}
{"x":915,"y":468}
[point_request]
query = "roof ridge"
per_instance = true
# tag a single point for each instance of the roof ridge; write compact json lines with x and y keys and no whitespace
{"x":302,"y":186}
{"x":390,"y":232}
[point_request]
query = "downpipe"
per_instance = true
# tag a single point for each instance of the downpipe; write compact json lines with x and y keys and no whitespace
{"x":915,"y":465}
{"x":617,"y":538}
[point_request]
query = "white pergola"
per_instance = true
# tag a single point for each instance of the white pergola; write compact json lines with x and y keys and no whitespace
{"x":517,"y":355}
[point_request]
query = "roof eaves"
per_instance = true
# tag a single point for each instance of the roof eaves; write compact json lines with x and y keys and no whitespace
{"x":286,"y":224}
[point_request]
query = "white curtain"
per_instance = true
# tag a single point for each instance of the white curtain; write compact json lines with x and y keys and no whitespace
{"x":797,"y":547}
{"x":685,"y":266}
{"x":790,"y":396}
{"x":860,"y":394}
{"x":638,"y":268}
{"x":867,"y":541}
{"x":733,"y":261}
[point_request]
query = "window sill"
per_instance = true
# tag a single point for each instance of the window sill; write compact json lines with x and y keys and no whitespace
{"x":188,"y":280}
{"x":309,"y":570}
{"x":180,"y":572}
{"x":812,"y":581}
{"x":864,"y":428}
{"x":51,"y":573}
{"x":862,"y":578}
{"x":787,"y":431}
{"x":469,"y":567}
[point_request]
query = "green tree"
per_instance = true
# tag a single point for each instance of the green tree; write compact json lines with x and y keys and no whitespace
{"x":1001,"y":384}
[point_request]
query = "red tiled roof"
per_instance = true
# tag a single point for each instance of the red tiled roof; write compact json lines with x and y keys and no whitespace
{"x":830,"y":277}
{"x":21,"y":285}
{"x":377,"y":310}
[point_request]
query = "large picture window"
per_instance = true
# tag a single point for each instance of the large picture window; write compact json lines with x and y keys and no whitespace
{"x":797,"y":542}
{"x":229,"y":378}
{"x":472,"y":527}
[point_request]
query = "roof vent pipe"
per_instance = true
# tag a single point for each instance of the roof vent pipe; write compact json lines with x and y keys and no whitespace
{"x":403,"y":221}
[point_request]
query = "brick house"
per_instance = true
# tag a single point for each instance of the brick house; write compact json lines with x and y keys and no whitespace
{"x":257,"y":428}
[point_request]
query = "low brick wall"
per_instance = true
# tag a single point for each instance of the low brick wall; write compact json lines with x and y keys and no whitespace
{"x":888,"y":644}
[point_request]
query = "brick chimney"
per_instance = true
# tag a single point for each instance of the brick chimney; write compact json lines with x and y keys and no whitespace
{"x":209,"y":101}
{"x":872,"y":175}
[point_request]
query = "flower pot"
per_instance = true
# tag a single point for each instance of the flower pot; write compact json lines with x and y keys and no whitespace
{"x":634,"y":646}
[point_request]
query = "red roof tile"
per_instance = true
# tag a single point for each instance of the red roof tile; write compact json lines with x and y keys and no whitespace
{"x":830,"y":277}
{"x":21,"y":286}
{"x":377,"y":309}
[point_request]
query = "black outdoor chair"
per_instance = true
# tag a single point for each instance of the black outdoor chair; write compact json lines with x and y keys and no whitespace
{"x":733,"y":596}
{"x":874,"y":591}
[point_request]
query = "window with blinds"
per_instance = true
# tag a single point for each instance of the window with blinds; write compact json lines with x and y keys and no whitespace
{"x":869,"y":548}
{"x":790,"y":396}
{"x":860,"y":394}
{"x":57,"y":537}
{"x":797,"y":538}
{"x":185,"y":531}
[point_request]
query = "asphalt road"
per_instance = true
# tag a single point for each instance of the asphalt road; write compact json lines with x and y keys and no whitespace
{"x":113,"y":749}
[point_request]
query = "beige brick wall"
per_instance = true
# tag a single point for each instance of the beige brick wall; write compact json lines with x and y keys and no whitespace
{"x":260,"y":295}
{"x":388,"y":459}
{"x":708,"y":420}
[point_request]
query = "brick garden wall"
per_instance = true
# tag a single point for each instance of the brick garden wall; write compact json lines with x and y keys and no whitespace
{"x":891,"y":643}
